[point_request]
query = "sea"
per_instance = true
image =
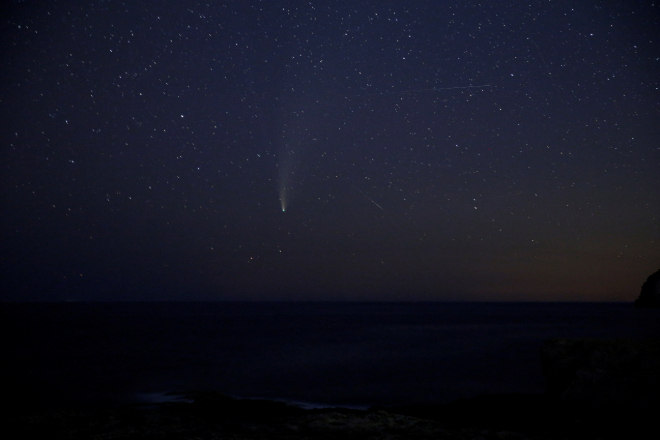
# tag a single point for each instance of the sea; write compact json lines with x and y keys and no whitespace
{"x":313,"y":354}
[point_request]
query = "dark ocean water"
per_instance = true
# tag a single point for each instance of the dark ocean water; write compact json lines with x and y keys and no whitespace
{"x":327,"y":353}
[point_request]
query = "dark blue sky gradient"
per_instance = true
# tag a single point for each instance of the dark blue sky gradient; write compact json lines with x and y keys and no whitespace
{"x":425,"y":150}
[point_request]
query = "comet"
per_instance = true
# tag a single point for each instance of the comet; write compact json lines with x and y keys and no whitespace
{"x":283,"y":198}
{"x":285,"y":171}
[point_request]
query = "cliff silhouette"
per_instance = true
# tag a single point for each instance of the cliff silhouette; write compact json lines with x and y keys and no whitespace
{"x":650,"y":293}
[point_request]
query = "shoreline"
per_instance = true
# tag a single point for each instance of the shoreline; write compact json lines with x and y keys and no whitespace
{"x":165,"y":397}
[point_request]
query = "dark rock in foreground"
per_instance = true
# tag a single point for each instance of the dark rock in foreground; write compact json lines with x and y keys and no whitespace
{"x":219,"y":417}
{"x":650,"y":294}
{"x":213,"y":416}
{"x":596,"y":389}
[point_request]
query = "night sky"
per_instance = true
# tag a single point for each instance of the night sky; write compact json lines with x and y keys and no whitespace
{"x":329,"y":150}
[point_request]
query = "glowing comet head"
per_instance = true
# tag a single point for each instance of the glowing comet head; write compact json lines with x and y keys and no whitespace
{"x":283,"y":198}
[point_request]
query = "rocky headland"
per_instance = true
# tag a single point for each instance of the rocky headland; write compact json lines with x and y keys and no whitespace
{"x":650,"y":293}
